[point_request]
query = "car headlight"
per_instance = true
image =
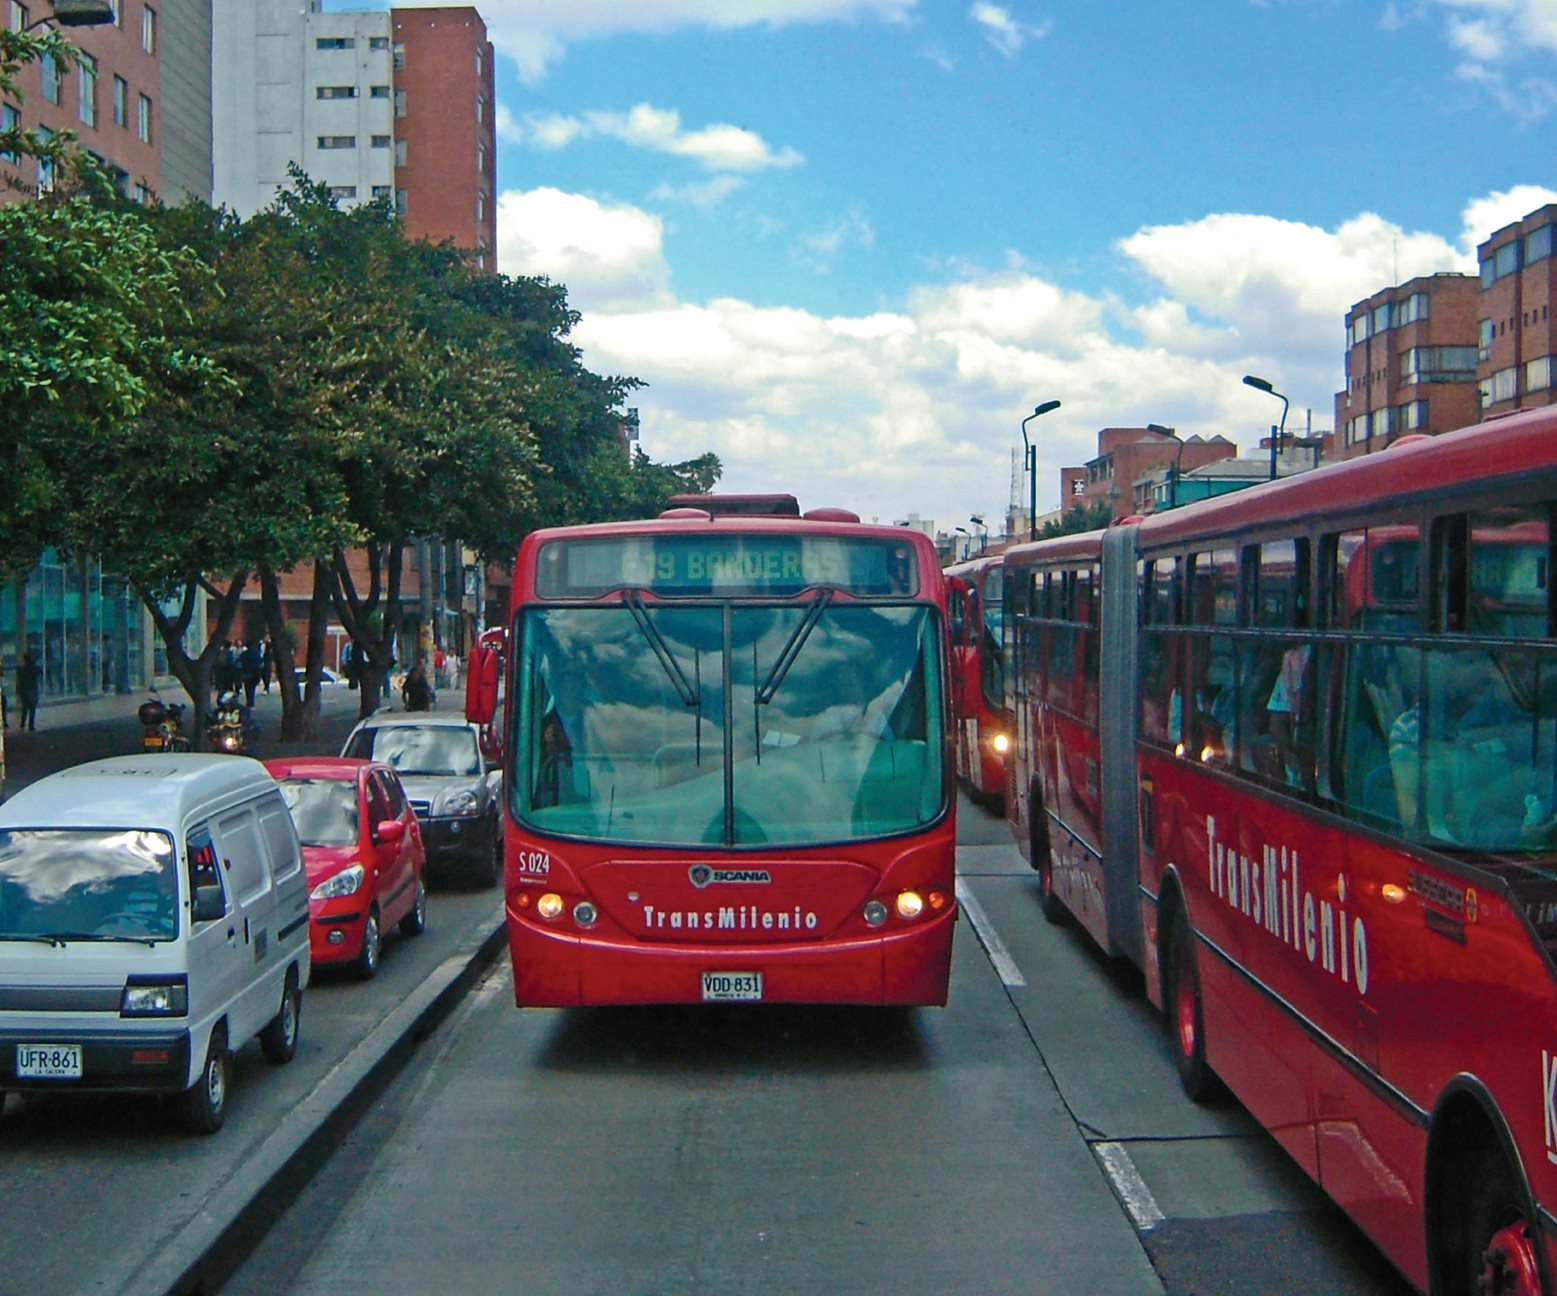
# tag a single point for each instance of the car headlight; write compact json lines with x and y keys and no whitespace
{"x":462,"y":803}
{"x":155,"y":999}
{"x":347,"y":882}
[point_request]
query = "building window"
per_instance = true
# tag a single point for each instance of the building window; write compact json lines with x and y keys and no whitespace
{"x":1358,"y":330}
{"x":45,"y":165}
{"x":1538,"y":244}
{"x":1504,"y":261}
{"x":48,"y":70}
{"x":119,"y":14}
{"x":400,"y":153}
{"x":18,"y":16}
{"x":10,"y":120}
{"x":1413,"y":416}
{"x":1382,"y":317}
{"x":343,"y":191}
{"x":86,"y":88}
{"x":399,"y":56}
{"x":335,"y":42}
{"x":121,"y":101}
{"x":383,"y":141}
{"x":481,"y":61}
{"x":481,"y":158}
{"x":143,"y":120}
{"x":1503,"y":385}
{"x":399,"y":202}
{"x":1411,"y":309}
{"x":1484,"y":339}
{"x":149,"y":30}
{"x":1539,"y":373}
{"x":399,"y":103}
{"x":335,"y":92}
{"x":378,"y":42}
{"x":337,"y":141}
{"x":481,"y":206}
{"x":481,"y":108}
{"x":1438,"y":364}
{"x":142,"y":194}
{"x":383,"y":191}
{"x":378,"y":92}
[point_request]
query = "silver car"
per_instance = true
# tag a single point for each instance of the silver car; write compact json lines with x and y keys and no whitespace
{"x":455,"y":791}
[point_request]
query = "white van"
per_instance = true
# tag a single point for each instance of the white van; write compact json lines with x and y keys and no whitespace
{"x":153,"y":916}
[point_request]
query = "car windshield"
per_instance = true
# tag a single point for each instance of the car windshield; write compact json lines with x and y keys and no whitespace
{"x":324,"y":810}
{"x":741,"y":725}
{"x":444,"y":750}
{"x":87,"y":884}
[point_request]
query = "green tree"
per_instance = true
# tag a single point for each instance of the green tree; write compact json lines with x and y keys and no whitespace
{"x":1084,"y":517}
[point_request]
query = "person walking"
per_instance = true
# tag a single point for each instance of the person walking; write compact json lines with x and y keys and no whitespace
{"x":415,"y":692}
{"x":249,"y":671}
{"x":28,"y":678}
{"x":267,"y":662}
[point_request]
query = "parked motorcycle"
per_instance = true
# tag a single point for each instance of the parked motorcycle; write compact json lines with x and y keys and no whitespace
{"x":231,"y":728}
{"x":162,"y":725}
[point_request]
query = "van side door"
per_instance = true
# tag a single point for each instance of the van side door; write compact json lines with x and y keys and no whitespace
{"x":253,"y":900}
{"x":290,"y":883}
{"x":218,"y":964}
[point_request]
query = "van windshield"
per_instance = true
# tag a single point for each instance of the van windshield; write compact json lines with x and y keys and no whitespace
{"x":87,"y":884}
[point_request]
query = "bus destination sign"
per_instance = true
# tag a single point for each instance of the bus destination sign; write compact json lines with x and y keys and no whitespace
{"x":725,"y":565}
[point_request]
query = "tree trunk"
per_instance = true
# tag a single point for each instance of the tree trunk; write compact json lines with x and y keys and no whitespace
{"x":372,"y":627}
{"x":195,"y":673}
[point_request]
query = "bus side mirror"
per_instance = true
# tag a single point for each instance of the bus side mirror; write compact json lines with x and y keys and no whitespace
{"x":481,"y":687}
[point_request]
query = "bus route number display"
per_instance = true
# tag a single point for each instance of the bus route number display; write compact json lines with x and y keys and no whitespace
{"x":725,"y":565}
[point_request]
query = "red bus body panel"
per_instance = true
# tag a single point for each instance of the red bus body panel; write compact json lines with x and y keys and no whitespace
{"x":981,"y":767}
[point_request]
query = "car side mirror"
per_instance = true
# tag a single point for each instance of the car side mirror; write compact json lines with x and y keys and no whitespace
{"x":390,"y":833}
{"x":209,"y":904}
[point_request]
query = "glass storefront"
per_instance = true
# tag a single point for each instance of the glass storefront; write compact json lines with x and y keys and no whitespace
{"x":82,"y":627}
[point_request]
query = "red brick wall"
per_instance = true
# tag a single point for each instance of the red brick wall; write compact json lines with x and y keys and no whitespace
{"x":450,"y":172}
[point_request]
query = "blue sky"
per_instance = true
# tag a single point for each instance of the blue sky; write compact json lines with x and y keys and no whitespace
{"x":849,"y":244}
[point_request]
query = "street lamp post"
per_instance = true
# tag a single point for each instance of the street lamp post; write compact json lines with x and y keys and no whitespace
{"x":984,"y":538}
{"x":967,"y":541}
{"x":1173,"y":481}
{"x":1261,"y":384}
{"x":1030,"y":459}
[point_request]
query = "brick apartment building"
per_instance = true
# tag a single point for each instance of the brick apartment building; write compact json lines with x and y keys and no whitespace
{"x":1517,"y":336}
{"x":1126,"y":455}
{"x":139,"y":98}
{"x":1447,"y":350}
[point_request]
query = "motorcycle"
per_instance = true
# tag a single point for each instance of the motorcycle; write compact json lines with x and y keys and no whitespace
{"x":162,"y":725}
{"x":231,"y":729}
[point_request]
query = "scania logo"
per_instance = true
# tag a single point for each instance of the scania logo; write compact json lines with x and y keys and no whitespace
{"x":702,"y":875}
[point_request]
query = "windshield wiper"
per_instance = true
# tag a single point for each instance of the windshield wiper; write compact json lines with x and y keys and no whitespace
{"x":61,"y":937}
{"x":668,"y":663}
{"x":791,"y":649}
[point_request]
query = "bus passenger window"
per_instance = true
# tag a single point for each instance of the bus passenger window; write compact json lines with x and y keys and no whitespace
{"x":1213,"y":736}
{"x":1508,"y":579}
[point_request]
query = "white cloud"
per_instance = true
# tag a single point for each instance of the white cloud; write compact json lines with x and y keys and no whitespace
{"x":818,"y":252}
{"x":1496,"y":36}
{"x":1004,"y":32}
{"x":535,"y":33}
{"x":919,"y":408}
{"x":705,"y":195}
{"x":720,"y":147}
{"x":609,"y":257}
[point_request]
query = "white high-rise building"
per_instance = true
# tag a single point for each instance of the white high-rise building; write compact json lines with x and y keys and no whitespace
{"x":293,"y":84}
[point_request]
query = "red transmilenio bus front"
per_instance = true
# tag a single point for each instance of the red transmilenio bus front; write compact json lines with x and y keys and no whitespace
{"x":1294,"y":752}
{"x":727,"y":759}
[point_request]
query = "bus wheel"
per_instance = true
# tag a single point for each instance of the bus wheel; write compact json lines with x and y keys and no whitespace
{"x":1186,"y":1018}
{"x":1502,"y":1259}
{"x":1042,"y":857}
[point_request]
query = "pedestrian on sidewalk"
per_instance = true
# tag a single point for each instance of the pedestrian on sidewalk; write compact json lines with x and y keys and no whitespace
{"x":28,"y":678}
{"x":249,"y":671}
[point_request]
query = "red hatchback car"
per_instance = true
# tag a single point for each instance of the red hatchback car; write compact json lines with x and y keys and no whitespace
{"x":363,"y":850}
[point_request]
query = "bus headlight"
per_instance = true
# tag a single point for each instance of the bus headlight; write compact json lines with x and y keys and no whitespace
{"x":875,"y":912}
{"x":550,"y":906}
{"x":910,"y":904}
{"x":1001,"y":744}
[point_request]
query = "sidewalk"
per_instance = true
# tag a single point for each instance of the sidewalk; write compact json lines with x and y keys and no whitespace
{"x":70,"y":733}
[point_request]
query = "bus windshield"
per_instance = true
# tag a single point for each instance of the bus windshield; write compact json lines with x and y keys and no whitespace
{"x":728,"y":724}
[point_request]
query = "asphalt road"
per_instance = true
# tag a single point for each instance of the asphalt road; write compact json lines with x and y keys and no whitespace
{"x":1031,"y":1137}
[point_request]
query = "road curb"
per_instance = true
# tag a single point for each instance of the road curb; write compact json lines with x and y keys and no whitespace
{"x":211,"y":1246}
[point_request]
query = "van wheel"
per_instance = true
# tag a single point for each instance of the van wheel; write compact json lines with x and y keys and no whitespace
{"x":278,"y":1041}
{"x":203,"y":1106}
{"x":366,"y":966}
{"x":415,"y":922}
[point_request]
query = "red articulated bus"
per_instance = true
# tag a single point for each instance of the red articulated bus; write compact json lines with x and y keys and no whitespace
{"x":727,"y":744}
{"x":975,"y":605}
{"x":1293,"y":751}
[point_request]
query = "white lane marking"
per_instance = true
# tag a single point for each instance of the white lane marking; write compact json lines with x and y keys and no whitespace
{"x":1132,"y":1189}
{"x":1003,"y":963}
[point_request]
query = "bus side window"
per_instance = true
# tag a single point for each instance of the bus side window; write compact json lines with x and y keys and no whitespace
{"x":1376,"y":733}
